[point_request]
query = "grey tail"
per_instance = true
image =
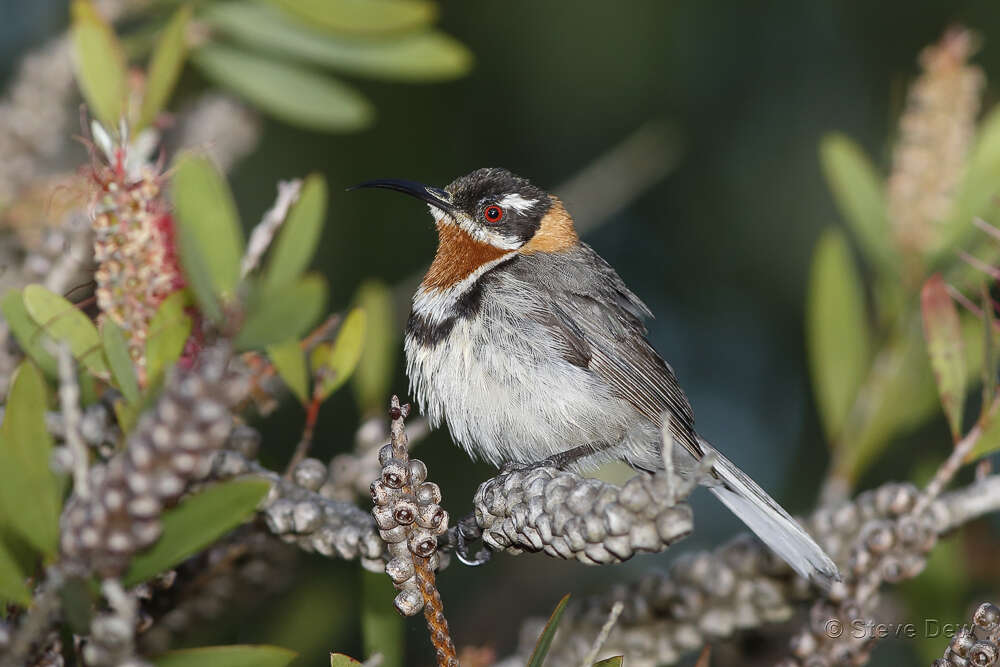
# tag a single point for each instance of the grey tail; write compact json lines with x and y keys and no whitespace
{"x":771,"y":523}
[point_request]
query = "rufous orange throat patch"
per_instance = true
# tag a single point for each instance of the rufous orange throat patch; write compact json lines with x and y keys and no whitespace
{"x":458,"y":255}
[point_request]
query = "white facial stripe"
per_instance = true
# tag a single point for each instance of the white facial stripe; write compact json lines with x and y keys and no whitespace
{"x":517,"y":202}
{"x":436,"y":213}
{"x":437,"y":304}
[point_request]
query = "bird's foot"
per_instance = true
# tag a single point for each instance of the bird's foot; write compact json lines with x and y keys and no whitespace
{"x":463,"y":536}
{"x":561,"y":460}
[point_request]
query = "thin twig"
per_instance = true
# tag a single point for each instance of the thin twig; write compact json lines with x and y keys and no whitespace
{"x":437,"y":624}
{"x":69,"y":398}
{"x":602,"y":636}
{"x":948,"y":469}
{"x":267,"y":228}
{"x":312,"y":414}
{"x":667,"y":453}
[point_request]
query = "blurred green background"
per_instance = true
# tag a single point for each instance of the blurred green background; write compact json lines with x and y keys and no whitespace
{"x":719,"y":249}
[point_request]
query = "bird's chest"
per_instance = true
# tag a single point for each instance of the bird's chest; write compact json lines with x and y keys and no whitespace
{"x":499,"y":380}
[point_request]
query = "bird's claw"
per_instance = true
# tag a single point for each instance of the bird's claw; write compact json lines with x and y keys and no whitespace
{"x":467,"y":533}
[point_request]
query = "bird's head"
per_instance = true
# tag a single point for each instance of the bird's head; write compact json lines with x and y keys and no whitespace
{"x":492,"y":207}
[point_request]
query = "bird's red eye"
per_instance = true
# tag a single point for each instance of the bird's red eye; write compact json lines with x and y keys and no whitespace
{"x":493,"y":213}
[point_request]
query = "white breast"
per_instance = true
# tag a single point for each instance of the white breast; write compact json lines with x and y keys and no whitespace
{"x":503,"y":388}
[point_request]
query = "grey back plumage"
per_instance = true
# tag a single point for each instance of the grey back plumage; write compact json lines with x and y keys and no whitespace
{"x":584,"y":303}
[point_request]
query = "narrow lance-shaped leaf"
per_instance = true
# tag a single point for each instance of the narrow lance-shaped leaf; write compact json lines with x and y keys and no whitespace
{"x":197,"y":522}
{"x":899,"y":394}
{"x":13,"y":588}
{"x":362,"y":16}
{"x":29,"y":335}
{"x":334,"y":362}
{"x":341,"y":660}
{"x":427,"y":55}
{"x":977,"y":194}
{"x":859,"y":194}
{"x":168,"y":332}
{"x":943,"y":333}
{"x":296,"y":243}
{"x":296,"y":95}
{"x":377,"y":366}
{"x":29,"y":491}
{"x":99,"y":63}
{"x":837,"y":331}
{"x":237,"y":655}
{"x":122,"y":368}
{"x":989,"y":436}
{"x":616,"y":661}
{"x":283,"y":313}
{"x":165,"y":66}
{"x":548,"y":634}
{"x":67,"y":324}
{"x":209,"y":234}
{"x":289,"y":361}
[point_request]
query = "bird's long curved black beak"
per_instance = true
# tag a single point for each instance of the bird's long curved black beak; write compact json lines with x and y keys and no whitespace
{"x":433,"y":196}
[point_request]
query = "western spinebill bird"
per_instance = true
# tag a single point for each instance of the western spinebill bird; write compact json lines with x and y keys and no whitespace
{"x":532,"y":349}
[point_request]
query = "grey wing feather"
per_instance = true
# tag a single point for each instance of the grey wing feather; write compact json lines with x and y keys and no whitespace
{"x":599,"y":321}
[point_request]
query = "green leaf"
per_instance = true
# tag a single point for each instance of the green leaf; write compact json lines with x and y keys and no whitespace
{"x":283,"y":313}
{"x":290,"y":93}
{"x":899,"y":394}
{"x":27,"y":332}
{"x":548,"y":634}
{"x":67,"y":324}
{"x":237,"y":655}
{"x":122,"y":369}
{"x":977,"y":194}
{"x":837,"y":331}
{"x":77,"y":599}
{"x":197,"y":522}
{"x":989,"y":439}
{"x":377,"y":366}
{"x":616,"y":661}
{"x":362,"y":16}
{"x":99,"y":63}
{"x":341,"y":660}
{"x":13,"y":588}
{"x":165,"y":67}
{"x":209,"y":233}
{"x":945,"y":347}
{"x":29,"y":491}
{"x":382,"y":629}
{"x":296,"y":243}
{"x":334,"y":362}
{"x":859,"y":194}
{"x":169,"y":331}
{"x":289,"y":360}
{"x":421,"y":56}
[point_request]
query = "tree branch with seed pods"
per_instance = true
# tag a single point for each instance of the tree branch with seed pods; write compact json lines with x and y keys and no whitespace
{"x":135,"y":506}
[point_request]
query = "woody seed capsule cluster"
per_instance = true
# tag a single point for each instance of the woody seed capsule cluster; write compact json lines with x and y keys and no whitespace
{"x":410,"y":519}
{"x":889,"y":545}
{"x":978,"y":645}
{"x":708,"y":596}
{"x":567,"y":516}
{"x":296,"y":513}
{"x":171,"y":446}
